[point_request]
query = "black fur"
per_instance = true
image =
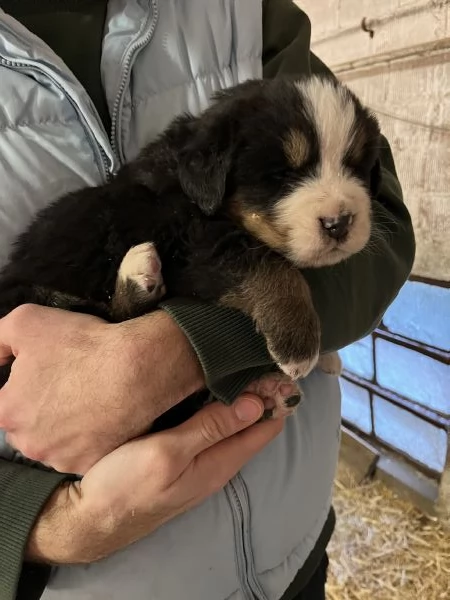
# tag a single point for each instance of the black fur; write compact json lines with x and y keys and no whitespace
{"x":175,"y":195}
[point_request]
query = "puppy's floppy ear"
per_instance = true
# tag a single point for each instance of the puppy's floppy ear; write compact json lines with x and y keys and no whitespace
{"x":375,"y":178}
{"x":205,"y":161}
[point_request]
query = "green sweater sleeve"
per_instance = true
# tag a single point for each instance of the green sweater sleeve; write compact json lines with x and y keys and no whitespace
{"x":351,"y":297}
{"x":23,"y":493}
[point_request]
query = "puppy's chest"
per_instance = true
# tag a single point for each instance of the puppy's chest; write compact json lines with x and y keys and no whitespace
{"x":208,"y":257}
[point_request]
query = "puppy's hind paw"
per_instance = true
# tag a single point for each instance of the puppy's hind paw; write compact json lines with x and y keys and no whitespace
{"x":330,"y":363}
{"x":141,"y":266}
{"x":280,"y":394}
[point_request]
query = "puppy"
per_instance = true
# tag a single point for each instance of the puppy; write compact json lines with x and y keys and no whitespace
{"x":226,"y":207}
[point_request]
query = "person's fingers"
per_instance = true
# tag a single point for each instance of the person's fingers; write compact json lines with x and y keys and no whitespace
{"x":216,"y":422}
{"x":27,"y":321}
{"x":6,"y":351}
{"x":13,"y":327}
{"x":6,"y":422}
{"x":219,"y":464}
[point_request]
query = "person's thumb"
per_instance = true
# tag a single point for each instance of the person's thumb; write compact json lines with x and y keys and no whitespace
{"x":217,"y":422}
{"x":214,"y":467}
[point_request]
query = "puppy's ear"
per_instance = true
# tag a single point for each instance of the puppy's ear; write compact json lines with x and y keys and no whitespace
{"x":375,"y":178}
{"x":205,"y":162}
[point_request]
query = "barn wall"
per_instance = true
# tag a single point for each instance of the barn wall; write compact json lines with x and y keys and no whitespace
{"x":395,"y":54}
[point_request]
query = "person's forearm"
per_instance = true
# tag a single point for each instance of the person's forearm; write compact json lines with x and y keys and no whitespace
{"x":187,"y":375}
{"x":55,"y":536}
{"x":23,"y":492}
{"x":67,"y":531}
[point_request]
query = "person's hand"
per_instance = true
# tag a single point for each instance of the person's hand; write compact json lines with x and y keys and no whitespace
{"x":80,"y":387}
{"x":148,"y":481}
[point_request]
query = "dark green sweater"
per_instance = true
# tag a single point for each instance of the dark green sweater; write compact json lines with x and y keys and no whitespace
{"x":350,"y":298}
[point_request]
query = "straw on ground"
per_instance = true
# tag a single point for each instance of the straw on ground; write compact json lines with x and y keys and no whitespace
{"x":384,"y":548}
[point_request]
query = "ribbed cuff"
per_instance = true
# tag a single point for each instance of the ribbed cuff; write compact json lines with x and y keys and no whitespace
{"x":23,"y":493}
{"x":230,"y":351}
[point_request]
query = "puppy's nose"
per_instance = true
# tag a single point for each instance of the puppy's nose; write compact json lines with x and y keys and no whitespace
{"x":337,"y":227}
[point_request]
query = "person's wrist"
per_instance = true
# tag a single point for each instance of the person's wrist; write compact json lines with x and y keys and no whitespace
{"x":183,"y":353}
{"x":57,"y":536}
{"x":158,"y":338}
{"x":111,"y":523}
{"x":72,"y":529}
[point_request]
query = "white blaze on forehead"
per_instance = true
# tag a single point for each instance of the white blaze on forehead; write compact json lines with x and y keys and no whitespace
{"x":333,"y":113}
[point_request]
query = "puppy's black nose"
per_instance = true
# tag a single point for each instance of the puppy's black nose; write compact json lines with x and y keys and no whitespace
{"x":337,"y":227}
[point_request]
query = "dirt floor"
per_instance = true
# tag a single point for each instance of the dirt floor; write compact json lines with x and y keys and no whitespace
{"x":384,"y":549}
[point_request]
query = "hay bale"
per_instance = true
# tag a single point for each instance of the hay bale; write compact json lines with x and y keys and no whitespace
{"x":384,"y":548}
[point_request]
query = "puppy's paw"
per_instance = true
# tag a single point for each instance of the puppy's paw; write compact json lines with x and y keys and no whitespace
{"x":293,"y":338}
{"x":296,"y":355}
{"x":330,"y":363}
{"x":141,"y":266}
{"x":298,"y":369}
{"x":279,"y":393}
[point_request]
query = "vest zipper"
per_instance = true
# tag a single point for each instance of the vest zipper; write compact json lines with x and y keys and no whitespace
{"x":104,"y":165}
{"x":131,"y":54}
{"x":236,"y":492}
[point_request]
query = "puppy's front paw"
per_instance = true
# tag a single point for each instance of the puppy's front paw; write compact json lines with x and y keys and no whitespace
{"x":297,"y":369}
{"x":141,"y":266}
{"x":294,"y":353}
{"x":279,"y":393}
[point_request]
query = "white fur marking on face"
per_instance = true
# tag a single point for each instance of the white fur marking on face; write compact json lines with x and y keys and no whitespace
{"x":330,"y":193}
{"x":299,"y":214}
{"x":334,"y":115}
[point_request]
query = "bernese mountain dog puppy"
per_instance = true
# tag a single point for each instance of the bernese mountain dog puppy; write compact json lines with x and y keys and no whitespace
{"x":225,"y":207}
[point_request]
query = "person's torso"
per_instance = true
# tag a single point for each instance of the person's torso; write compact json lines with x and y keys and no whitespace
{"x":160,"y":59}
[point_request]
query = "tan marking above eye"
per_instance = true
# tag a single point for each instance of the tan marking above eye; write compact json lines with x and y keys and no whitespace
{"x":296,"y":147}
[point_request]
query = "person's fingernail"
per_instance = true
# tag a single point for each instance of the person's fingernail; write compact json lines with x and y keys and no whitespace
{"x":247,"y":409}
